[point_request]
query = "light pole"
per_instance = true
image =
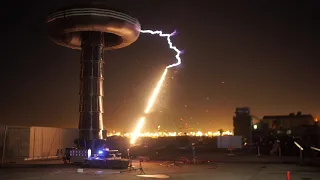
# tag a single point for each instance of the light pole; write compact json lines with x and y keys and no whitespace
{"x":301,"y":151}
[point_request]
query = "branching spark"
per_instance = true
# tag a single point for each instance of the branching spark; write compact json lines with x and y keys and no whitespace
{"x":158,"y":87}
{"x":168,"y":36}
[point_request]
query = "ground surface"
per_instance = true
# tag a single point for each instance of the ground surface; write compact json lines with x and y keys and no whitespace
{"x":212,"y":171}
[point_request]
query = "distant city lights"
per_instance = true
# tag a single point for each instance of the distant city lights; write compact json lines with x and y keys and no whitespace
{"x":170,"y":134}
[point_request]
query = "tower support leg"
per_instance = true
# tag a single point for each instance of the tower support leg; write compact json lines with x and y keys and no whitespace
{"x":91,"y":87}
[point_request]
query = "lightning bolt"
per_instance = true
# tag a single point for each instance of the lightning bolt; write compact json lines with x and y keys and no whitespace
{"x":158,"y":87}
{"x":168,"y":36}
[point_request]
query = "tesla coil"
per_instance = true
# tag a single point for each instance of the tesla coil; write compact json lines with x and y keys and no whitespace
{"x":92,"y":28}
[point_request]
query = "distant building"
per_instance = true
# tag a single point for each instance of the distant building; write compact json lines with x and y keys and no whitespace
{"x":299,"y":126}
{"x":242,"y":123}
{"x":291,"y":121}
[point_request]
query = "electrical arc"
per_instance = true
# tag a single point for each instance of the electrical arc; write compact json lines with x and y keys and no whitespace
{"x":156,"y":91}
{"x":171,"y":46}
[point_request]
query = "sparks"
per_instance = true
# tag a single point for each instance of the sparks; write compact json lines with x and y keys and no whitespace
{"x":137,"y":130}
{"x":155,"y":92}
{"x":159,"y":85}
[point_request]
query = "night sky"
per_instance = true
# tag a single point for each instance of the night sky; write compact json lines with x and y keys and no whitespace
{"x":237,"y":53}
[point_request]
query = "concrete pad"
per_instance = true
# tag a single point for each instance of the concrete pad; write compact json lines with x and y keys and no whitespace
{"x":212,"y":171}
{"x":155,"y":176}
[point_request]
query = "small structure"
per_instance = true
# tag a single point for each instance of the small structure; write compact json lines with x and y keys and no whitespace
{"x":291,"y":121}
{"x":242,"y":123}
{"x":21,"y":142}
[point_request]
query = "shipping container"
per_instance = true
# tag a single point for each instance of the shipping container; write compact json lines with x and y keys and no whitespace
{"x":35,"y":142}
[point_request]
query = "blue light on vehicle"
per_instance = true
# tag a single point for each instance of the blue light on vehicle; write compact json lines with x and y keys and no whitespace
{"x":100,"y":152}
{"x":89,"y":153}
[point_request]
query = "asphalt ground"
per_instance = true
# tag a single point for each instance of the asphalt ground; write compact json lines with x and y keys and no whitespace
{"x":166,"y":169}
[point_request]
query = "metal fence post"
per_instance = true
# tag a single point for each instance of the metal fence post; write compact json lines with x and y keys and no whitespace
{"x":279,"y":151}
{"x":301,"y":157}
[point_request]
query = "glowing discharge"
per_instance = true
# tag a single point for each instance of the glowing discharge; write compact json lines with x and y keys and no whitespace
{"x":137,"y":131}
{"x":158,"y":87}
{"x":155,"y":92}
